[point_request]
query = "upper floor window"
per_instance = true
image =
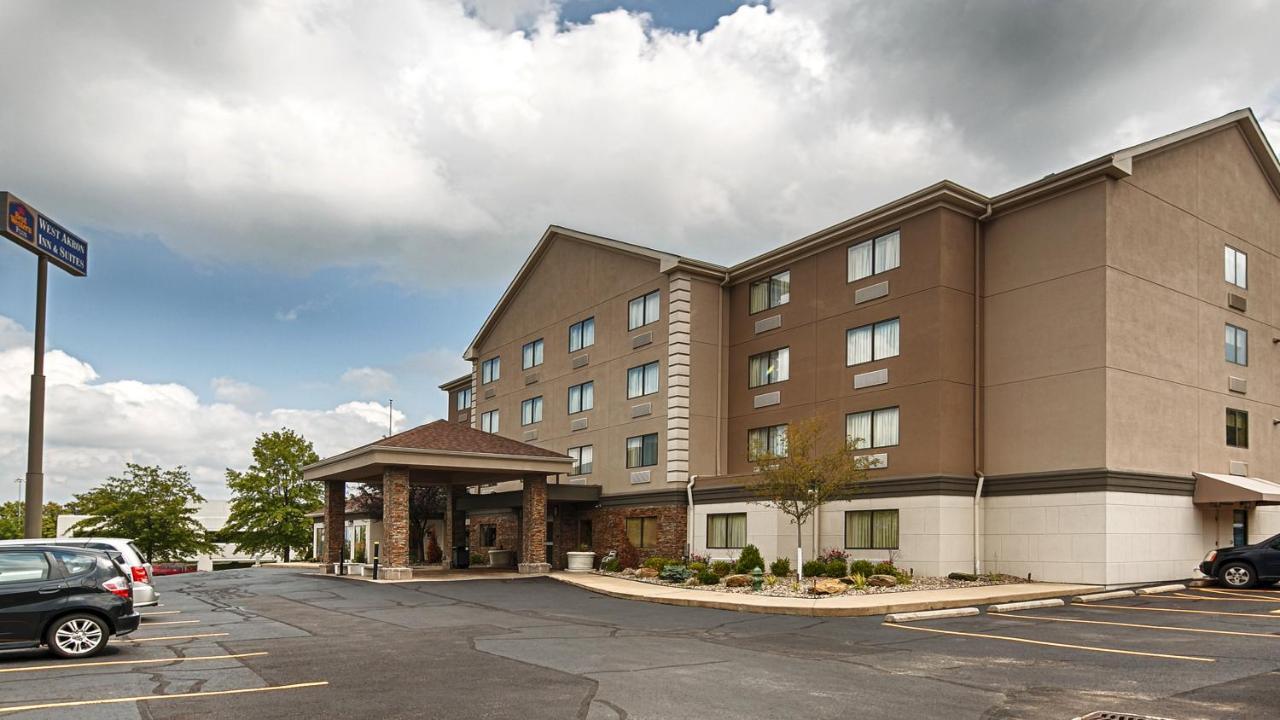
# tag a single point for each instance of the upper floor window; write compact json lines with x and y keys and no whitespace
{"x":531,"y":411}
{"x":1237,"y":428}
{"x":643,"y":310}
{"x":490,"y":369}
{"x":581,"y":459}
{"x":872,"y":429}
{"x":767,"y":442}
{"x":642,"y":450}
{"x":489,"y":421}
{"x":642,"y":380}
{"x":1237,"y":345}
{"x":531,"y":354}
{"x":582,"y":397}
{"x":1237,"y":266}
{"x":464,"y":398}
{"x":872,"y":342}
{"x":726,"y":530}
{"x":771,"y":292}
{"x":873,"y":256}
{"x":582,"y":334}
{"x":769,"y":367}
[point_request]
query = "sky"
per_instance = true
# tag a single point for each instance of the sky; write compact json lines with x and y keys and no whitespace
{"x":299,"y":211}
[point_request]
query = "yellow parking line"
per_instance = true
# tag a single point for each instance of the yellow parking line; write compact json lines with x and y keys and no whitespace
{"x":145,"y":698}
{"x":174,"y":637}
{"x":103,"y":663}
{"x":1175,"y":610}
{"x":1052,"y":644}
{"x":171,"y":622}
{"x":1242,"y":594}
{"x":1136,"y":625}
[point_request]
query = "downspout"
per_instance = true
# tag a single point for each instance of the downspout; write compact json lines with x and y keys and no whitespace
{"x":977,"y":390}
{"x":688,"y":488}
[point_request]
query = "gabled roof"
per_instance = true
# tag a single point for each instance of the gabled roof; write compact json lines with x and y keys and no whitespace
{"x":446,"y":436}
{"x":459,"y":382}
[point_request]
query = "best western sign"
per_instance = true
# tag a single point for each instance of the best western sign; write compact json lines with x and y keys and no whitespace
{"x":40,"y":235}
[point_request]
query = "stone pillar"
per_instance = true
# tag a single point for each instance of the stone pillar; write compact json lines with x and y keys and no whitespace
{"x":452,"y":529}
{"x":395,"y":518}
{"x":335,"y":521}
{"x":533,"y":521}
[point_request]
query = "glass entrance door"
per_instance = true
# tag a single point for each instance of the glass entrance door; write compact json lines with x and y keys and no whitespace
{"x":1239,"y":527}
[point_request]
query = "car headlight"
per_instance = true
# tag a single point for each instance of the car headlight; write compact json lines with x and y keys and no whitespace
{"x":1213,"y":555}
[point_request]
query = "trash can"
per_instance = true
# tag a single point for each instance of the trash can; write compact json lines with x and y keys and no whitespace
{"x":461,"y":556}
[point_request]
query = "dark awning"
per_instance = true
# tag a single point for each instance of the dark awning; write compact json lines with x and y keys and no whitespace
{"x":515,"y":498}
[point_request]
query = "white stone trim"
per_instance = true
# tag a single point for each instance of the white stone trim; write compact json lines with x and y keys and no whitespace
{"x":679,"y":347}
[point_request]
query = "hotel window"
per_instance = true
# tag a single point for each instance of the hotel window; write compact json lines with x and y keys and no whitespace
{"x":771,"y":292}
{"x":489,"y":421}
{"x":531,"y":354}
{"x":1237,"y":345}
{"x":872,"y":429}
{"x":643,"y":310}
{"x":1236,"y":266}
{"x":488,"y":535}
{"x":582,"y":457}
{"x":872,"y":342}
{"x":642,"y":380}
{"x":489,"y":369}
{"x":871,"y":530}
{"x":464,"y":398}
{"x":769,"y":367}
{"x":642,"y":450}
{"x":582,"y":334}
{"x":582,"y":397}
{"x":766,"y":442}
{"x":874,"y":256}
{"x":1237,"y":428}
{"x":584,"y":532}
{"x":642,"y":532}
{"x":727,"y":530}
{"x":531,"y":411}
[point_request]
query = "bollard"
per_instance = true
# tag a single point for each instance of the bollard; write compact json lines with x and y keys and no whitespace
{"x":376,"y":553}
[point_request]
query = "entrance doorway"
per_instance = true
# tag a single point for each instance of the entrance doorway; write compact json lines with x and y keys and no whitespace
{"x":551,"y":546}
{"x":1239,"y":527}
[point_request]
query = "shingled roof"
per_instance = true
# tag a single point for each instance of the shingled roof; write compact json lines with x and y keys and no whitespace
{"x":454,"y":437}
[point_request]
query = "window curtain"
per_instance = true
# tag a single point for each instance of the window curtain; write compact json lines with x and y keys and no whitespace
{"x":885,"y":534}
{"x":860,"y":261}
{"x":780,"y":289}
{"x":588,"y":395}
{"x":586,"y":454}
{"x":736,"y":530}
{"x":886,"y":341}
{"x":758,"y":370}
{"x":858,"y":430}
{"x":575,"y":337}
{"x":588,"y":332}
{"x":885,"y":431}
{"x":651,"y":378}
{"x":759,"y":295}
{"x":782,"y":365}
{"x":859,"y":342}
{"x":780,"y":441}
{"x":635,"y":382}
{"x":1242,"y":269}
{"x":857,"y":529}
{"x":575,"y":399}
{"x":635,"y":447}
{"x":636,"y":313}
{"x":651,"y":307}
{"x":886,"y":252}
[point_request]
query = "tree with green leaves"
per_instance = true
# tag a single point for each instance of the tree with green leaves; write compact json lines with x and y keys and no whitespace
{"x":270,"y":500}
{"x":805,"y":471}
{"x":11,"y":520}
{"x":154,"y":507}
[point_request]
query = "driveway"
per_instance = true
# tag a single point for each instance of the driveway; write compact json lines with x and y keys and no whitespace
{"x":271,"y":643}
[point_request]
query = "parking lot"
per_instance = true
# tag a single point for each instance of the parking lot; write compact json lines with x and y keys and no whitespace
{"x":280,"y":643}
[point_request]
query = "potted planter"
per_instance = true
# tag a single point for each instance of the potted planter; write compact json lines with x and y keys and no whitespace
{"x":502,"y":558}
{"x":581,"y":560}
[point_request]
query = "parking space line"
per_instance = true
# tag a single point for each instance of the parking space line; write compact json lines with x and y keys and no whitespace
{"x":160,"y":612}
{"x":1028,"y":641}
{"x":172,"y":622}
{"x":174,"y":637}
{"x":1147,"y":627}
{"x":104,"y":663}
{"x":174,"y":696}
{"x":1242,"y":594}
{"x":1200,"y":598}
{"x":1178,"y":610}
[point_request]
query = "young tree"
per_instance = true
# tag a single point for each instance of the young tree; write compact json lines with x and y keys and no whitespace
{"x":270,"y":500}
{"x":154,"y":507}
{"x":11,"y":520}
{"x":803,"y":472}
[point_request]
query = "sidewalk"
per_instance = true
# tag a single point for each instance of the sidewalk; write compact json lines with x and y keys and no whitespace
{"x":837,"y":606}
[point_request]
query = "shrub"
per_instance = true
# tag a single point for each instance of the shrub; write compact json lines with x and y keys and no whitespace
{"x":657,"y":562}
{"x":814,"y":568}
{"x":479,"y":559}
{"x":833,"y":554}
{"x":722,"y":568}
{"x":750,"y":559}
{"x":859,"y":581}
{"x":864,"y":568}
{"x":968,"y":577}
{"x":697,"y":567}
{"x":628,"y":556}
{"x":708,"y":577}
{"x":885,"y":568}
{"x":903,"y":577}
{"x":780,"y":567}
{"x":696,"y":558}
{"x":675,"y":573}
{"x":611,"y":564}
{"x":837,"y":568}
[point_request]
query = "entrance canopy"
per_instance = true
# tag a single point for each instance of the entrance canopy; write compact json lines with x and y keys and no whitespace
{"x":1215,"y":488}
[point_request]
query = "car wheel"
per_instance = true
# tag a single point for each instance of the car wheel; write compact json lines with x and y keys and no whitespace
{"x":1237,"y":575}
{"x":77,"y":636}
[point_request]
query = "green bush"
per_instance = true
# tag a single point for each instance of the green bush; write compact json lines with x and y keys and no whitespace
{"x":865,"y":568}
{"x":836,"y":568}
{"x":780,"y":567}
{"x":656,"y":562}
{"x":708,"y":577}
{"x":814,"y":568}
{"x":903,"y":577}
{"x":697,"y":567}
{"x":479,"y":559}
{"x":750,"y":559}
{"x":885,"y":568}
{"x":722,"y":568}
{"x":675,"y":573}
{"x":612,"y":564}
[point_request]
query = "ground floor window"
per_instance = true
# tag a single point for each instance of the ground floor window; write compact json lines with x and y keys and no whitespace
{"x":319,"y":542}
{"x":488,"y":535}
{"x":643,"y":531}
{"x":727,"y":530}
{"x":584,"y":533}
{"x":871,"y":529}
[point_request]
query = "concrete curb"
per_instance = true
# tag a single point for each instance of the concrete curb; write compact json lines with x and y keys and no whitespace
{"x":931,"y":615}
{"x":1098,"y":597}
{"x":1160,"y":589}
{"x":1028,"y":605}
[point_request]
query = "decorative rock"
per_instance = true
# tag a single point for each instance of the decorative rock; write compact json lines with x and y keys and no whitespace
{"x":646,"y":573}
{"x":882,"y":581}
{"x":737,"y":581}
{"x":629,"y":571}
{"x":827,"y":586}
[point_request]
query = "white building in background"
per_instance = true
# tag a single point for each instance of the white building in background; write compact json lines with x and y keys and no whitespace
{"x":213,"y":515}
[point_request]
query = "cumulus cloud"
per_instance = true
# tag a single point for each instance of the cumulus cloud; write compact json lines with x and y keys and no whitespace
{"x":369,"y":381}
{"x":236,"y":392}
{"x":432,"y":143}
{"x":94,"y":427}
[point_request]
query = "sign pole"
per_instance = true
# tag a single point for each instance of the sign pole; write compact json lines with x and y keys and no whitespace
{"x":35,"y":434}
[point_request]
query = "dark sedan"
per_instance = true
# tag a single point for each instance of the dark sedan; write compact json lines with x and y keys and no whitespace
{"x":1245,"y":566}
{"x":70,"y":599}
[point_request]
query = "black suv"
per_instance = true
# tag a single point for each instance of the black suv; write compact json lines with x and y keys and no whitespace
{"x":1246,"y":565}
{"x":70,"y":599}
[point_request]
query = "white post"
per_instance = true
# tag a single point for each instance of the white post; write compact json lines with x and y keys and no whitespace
{"x":799,"y":563}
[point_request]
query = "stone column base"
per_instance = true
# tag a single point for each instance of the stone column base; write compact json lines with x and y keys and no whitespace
{"x":396,"y":573}
{"x":533,"y":568}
